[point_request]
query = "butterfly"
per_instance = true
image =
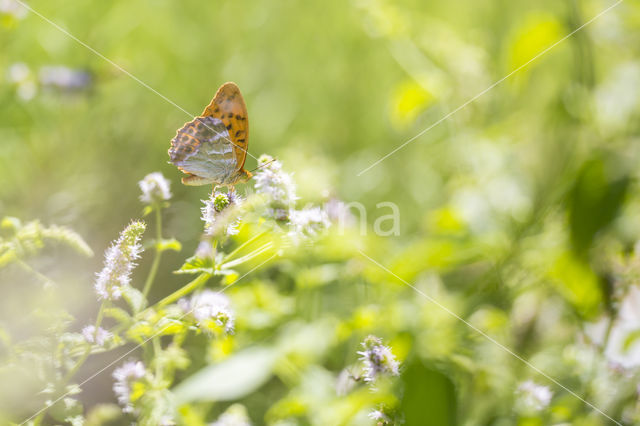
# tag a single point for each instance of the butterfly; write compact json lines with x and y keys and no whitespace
{"x":212,"y":148}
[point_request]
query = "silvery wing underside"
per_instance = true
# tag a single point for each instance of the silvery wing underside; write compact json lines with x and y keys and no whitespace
{"x":203,"y":148}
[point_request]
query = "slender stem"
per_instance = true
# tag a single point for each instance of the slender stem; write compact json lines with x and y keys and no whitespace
{"x":24,"y":265}
{"x":38,"y":420}
{"x":78,"y":363}
{"x":243,"y":245}
{"x":157,"y":348}
{"x":249,"y":256}
{"x":183,"y":291}
{"x":87,"y":352}
{"x":156,"y":259}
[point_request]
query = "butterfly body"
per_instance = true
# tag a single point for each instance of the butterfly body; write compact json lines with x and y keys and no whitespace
{"x":212,"y":148}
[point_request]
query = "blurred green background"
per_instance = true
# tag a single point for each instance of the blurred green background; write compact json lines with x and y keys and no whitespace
{"x":331,"y":87}
{"x":536,"y":178}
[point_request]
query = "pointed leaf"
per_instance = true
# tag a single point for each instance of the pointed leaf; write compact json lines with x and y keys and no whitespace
{"x":232,"y":379}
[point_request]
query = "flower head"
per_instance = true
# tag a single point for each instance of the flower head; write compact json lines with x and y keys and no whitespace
{"x":378,"y":359}
{"x":155,"y":188}
{"x":308,"y":222}
{"x":534,"y":396}
{"x":125,"y":376}
{"x":119,"y":262}
{"x":216,"y":213}
{"x":99,"y":336}
{"x":379,"y":417}
{"x":210,"y":306}
{"x":277,"y":185}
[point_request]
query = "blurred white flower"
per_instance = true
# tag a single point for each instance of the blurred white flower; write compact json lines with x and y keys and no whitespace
{"x":119,"y":262}
{"x":308,"y":222}
{"x":98,"y":337}
{"x":379,"y":417}
{"x":616,"y":99}
{"x":534,"y":396}
{"x":18,"y":72}
{"x":619,"y":349}
{"x":378,"y":359}
{"x":13,"y":8}
{"x":276,"y":184}
{"x":155,"y":188}
{"x":20,"y":75}
{"x":210,"y":305}
{"x":124,"y":376}
{"x":27,"y":90}
{"x":339,"y":212}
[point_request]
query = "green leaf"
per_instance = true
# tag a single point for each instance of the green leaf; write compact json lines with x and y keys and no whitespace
{"x":118,"y":314}
{"x":169,"y":326}
{"x":69,"y":237}
{"x":168,"y":244}
{"x":577,"y":283}
{"x":103,"y":414}
{"x":595,"y":200}
{"x":140,"y":331}
{"x":197,"y":265}
{"x":232,"y":379}
{"x":10,"y":222}
{"x":7,"y":257}
{"x":428,"y":391}
{"x":134,"y":298}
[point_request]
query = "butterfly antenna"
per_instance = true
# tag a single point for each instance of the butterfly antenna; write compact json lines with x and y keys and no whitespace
{"x":263,"y":165}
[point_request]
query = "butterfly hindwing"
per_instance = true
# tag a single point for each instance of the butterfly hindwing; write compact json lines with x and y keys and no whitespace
{"x":228,"y":105}
{"x":201,"y":147}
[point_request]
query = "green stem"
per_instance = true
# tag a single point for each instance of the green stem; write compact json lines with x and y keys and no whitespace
{"x":24,"y":265}
{"x":78,"y":363}
{"x":183,"y":291}
{"x":248,"y":257}
{"x":243,"y":245}
{"x":156,"y":260}
{"x":157,"y":348}
{"x":87,"y":352}
{"x":38,"y":420}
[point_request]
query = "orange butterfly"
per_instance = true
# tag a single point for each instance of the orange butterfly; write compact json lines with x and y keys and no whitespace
{"x":213,"y":147}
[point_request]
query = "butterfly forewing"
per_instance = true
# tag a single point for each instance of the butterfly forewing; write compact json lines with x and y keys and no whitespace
{"x":228,"y":105}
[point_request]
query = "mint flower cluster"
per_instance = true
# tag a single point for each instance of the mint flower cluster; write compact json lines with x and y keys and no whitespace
{"x":119,"y":262}
{"x":155,"y":188}
{"x":277,"y":185}
{"x":378,"y":360}
{"x":533,"y":396}
{"x":209,"y":305}
{"x":216,"y":213}
{"x":279,"y":188}
{"x":125,"y":376}
{"x":99,"y":335}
